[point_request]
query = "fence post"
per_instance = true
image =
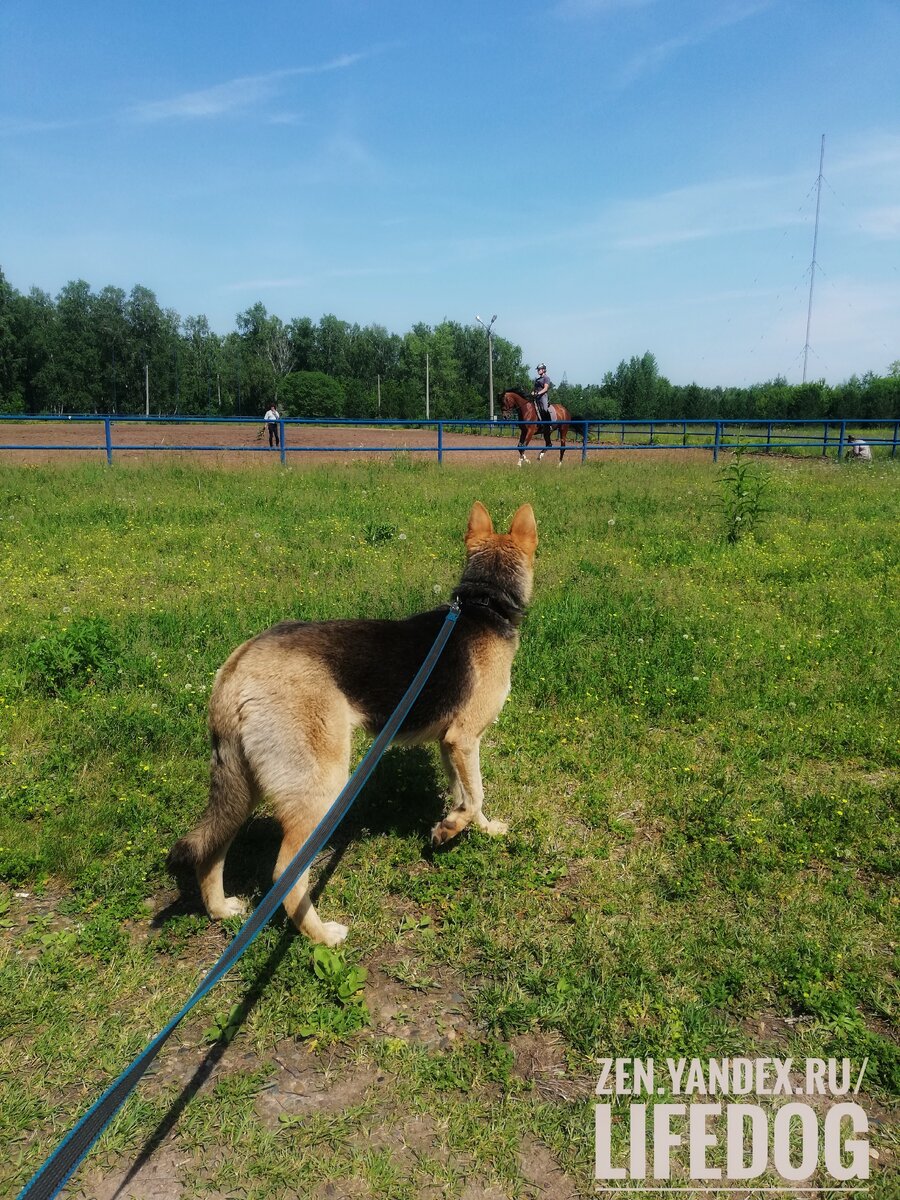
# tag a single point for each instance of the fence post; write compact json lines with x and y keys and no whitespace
{"x":684,"y":432}
{"x":281,"y":439}
{"x":827,"y":426}
{"x":768,"y":437}
{"x":841,"y":439}
{"x":108,"y":431}
{"x":894,"y":446}
{"x":717,"y":440}
{"x":440,"y":443}
{"x":584,"y":440}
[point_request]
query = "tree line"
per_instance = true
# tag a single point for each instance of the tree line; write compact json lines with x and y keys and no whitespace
{"x":116,"y":352}
{"x":636,"y":390}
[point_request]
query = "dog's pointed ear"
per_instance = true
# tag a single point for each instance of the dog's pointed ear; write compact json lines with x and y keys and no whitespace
{"x":480,"y":524}
{"x":523,"y":530}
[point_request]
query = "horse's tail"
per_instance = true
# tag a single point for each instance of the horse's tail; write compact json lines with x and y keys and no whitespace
{"x":564,"y":424}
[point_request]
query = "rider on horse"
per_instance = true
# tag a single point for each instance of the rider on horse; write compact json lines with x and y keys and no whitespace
{"x":541,"y":392}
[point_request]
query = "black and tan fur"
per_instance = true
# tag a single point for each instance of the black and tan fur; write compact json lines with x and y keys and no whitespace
{"x":285,"y":704}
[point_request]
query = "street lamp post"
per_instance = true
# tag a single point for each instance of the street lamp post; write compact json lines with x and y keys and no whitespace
{"x":487,"y":329}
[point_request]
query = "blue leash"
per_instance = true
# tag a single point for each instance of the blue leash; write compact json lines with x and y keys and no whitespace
{"x":50,"y":1178}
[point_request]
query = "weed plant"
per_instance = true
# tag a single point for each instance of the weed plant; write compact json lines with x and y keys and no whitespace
{"x":698,"y":762}
{"x":743,"y":489}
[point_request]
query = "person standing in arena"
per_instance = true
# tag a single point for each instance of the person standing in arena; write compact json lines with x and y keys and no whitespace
{"x":272,"y":419}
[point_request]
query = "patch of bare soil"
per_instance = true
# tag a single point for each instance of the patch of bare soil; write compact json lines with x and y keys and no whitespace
{"x":429,"y":1011}
{"x":426,"y":1009}
{"x":540,"y":1059}
{"x":547,"y":1178}
{"x":160,"y":1177}
{"x":305,"y":1083}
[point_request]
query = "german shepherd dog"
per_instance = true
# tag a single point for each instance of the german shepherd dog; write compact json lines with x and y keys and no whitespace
{"x":284,"y":706}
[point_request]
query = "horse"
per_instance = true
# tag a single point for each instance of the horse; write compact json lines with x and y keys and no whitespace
{"x":530,"y":422}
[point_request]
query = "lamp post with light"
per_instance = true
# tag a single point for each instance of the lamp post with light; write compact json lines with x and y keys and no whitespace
{"x":487,"y":329}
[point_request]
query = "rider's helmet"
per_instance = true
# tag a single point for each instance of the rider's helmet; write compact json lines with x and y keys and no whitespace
{"x":542,"y":366}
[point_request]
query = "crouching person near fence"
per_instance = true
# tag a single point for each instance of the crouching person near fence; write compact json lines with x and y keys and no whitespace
{"x":858,"y":449}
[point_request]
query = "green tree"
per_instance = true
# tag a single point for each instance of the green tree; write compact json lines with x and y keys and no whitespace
{"x":332,"y":345}
{"x":302,"y":332}
{"x":199,"y":379}
{"x":76,"y":352}
{"x":773,"y":398}
{"x":312,"y":394}
{"x":111,"y":331}
{"x":272,"y":343}
{"x":642,"y":393}
{"x":881,"y":399}
{"x":11,"y":394}
{"x":152,"y":351}
{"x":35,"y":326}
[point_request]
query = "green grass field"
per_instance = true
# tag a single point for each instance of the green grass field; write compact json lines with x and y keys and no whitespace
{"x":699,"y":762}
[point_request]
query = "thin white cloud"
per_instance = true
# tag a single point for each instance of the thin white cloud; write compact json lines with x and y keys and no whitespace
{"x":286,"y":118}
{"x":701,"y":211}
{"x":25,"y":126}
{"x":882,"y":222}
{"x":580,"y":9}
{"x":343,"y":156}
{"x":235,"y":95}
{"x":298,"y":282}
{"x":653,"y":56}
{"x":871,"y":153}
{"x":267,"y":285}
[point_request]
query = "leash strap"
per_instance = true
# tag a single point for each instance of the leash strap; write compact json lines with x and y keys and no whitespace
{"x":50,"y":1178}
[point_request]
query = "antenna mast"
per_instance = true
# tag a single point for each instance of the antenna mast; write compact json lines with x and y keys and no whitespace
{"x":812,"y":267}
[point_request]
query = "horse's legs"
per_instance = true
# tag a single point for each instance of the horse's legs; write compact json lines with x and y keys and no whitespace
{"x":524,"y":439}
{"x":563,"y":432}
{"x":546,"y":429}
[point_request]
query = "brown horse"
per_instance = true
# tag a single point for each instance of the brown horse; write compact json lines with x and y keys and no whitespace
{"x":530,"y":422}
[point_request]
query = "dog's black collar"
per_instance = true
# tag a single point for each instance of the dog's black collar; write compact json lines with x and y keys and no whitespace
{"x":494,"y":600}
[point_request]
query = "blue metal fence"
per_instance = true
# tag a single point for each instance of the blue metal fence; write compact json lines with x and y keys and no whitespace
{"x":590,"y":436}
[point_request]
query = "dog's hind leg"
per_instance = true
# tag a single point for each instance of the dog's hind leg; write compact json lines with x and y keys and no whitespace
{"x":232,"y":797}
{"x":463,"y":766}
{"x":299,"y":815}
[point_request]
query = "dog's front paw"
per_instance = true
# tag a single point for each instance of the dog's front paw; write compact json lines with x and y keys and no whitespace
{"x":231,"y":906}
{"x":493,"y":828}
{"x":333,"y":933}
{"x":451,"y":825}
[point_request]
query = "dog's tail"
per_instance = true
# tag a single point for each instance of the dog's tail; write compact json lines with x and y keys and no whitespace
{"x":231,"y":799}
{"x":189,"y":851}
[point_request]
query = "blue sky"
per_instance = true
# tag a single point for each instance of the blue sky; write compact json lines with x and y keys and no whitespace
{"x":608,"y":176}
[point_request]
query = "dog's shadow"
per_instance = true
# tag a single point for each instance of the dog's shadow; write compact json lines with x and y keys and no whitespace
{"x":404,"y":796}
